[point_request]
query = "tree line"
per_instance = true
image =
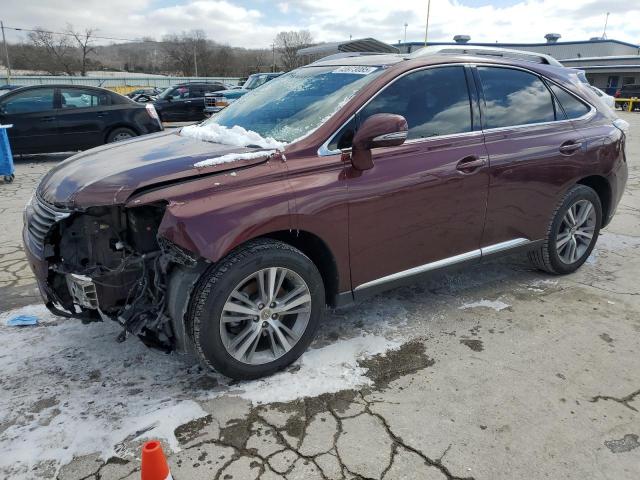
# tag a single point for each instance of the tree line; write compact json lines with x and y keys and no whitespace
{"x":75,"y":52}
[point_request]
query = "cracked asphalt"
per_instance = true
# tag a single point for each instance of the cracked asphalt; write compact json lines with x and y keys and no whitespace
{"x":502,"y":372}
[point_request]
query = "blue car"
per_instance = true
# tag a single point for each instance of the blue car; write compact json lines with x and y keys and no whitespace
{"x":214,"y":102}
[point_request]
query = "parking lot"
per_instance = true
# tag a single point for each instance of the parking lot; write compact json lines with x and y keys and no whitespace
{"x":495,"y":372}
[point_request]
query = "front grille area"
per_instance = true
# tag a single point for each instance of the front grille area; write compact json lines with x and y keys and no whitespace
{"x":42,"y":218}
{"x":210,"y":101}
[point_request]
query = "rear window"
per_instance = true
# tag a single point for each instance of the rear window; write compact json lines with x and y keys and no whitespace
{"x":572,"y":107}
{"x":514,"y":97}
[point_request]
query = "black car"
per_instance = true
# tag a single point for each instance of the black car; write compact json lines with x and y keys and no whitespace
{"x":60,"y":118}
{"x":185,"y":102}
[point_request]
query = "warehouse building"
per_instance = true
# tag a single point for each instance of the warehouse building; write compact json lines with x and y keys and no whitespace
{"x":608,"y":63}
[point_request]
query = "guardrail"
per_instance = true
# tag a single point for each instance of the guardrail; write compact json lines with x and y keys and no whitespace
{"x":627,"y":104}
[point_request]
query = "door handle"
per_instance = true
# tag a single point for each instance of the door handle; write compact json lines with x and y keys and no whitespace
{"x":102,"y":114}
{"x":187,"y":101}
{"x":570,"y":147}
{"x":471,"y":163}
{"x":48,"y":119}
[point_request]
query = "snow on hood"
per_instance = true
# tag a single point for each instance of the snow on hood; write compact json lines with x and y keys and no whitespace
{"x":232,"y":157}
{"x":236,"y":136}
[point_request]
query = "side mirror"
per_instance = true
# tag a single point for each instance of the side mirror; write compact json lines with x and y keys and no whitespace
{"x":377,"y":131}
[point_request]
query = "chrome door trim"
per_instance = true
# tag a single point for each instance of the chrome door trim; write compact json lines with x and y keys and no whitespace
{"x":445,"y":262}
{"x":499,"y":247}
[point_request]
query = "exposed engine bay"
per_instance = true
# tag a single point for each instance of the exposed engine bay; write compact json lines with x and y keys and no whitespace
{"x":109,"y":263}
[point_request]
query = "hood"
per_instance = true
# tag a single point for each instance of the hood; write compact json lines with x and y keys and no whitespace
{"x":236,"y":93}
{"x":108,"y":175}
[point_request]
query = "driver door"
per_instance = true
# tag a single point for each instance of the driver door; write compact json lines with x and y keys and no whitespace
{"x":423,"y":204}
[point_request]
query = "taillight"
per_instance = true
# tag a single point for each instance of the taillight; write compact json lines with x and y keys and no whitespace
{"x":151,"y":110}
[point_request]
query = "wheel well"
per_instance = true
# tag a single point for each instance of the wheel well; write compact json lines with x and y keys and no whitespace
{"x":115,"y":127}
{"x":602,"y":188}
{"x":319,"y":253}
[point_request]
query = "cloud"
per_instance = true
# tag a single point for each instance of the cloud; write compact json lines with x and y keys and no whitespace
{"x":254,"y":23}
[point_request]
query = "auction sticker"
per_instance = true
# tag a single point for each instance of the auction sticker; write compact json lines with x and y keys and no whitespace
{"x":355,"y":69}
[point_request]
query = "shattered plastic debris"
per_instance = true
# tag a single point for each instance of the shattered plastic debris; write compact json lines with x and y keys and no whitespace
{"x":235,"y":136}
{"x":232,"y":157}
{"x":22,"y":321}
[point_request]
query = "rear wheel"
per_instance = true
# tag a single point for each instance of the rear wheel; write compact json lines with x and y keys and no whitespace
{"x":572,"y":234}
{"x":120,"y":134}
{"x":257,"y":310}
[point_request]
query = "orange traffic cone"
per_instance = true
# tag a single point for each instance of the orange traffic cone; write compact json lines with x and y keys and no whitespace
{"x":154,"y":463}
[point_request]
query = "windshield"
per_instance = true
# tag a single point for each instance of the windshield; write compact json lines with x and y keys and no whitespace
{"x":293,"y":105}
{"x":255,"y":81}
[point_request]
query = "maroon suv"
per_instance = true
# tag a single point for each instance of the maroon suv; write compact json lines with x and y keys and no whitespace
{"x":328,"y":184}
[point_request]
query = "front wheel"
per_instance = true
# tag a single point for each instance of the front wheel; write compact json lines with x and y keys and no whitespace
{"x":572,"y":234}
{"x":257,"y":310}
{"x":120,"y":134}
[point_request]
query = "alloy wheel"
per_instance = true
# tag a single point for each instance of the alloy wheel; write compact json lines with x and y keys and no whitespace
{"x":576,"y":231}
{"x":265,"y":315}
{"x":121,"y":136}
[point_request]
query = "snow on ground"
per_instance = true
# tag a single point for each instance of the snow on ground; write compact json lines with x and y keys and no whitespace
{"x":235,"y":136}
{"x":232,"y":157}
{"x":496,"y":305}
{"x":70,"y":389}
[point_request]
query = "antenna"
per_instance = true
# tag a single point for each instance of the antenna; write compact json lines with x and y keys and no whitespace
{"x":604,"y":32}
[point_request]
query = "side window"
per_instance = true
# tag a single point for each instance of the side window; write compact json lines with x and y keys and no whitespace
{"x":434,"y":102}
{"x":181,"y":92}
{"x":80,"y":98}
{"x":344,"y":137}
{"x":573,"y":107}
{"x":513,"y":97}
{"x":196,"y":91}
{"x":31,"y":101}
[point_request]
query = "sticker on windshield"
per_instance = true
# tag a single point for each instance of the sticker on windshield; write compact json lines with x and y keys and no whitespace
{"x":355,"y":69}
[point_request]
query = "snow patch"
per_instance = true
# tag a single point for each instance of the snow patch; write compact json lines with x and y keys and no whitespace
{"x":233,"y":157}
{"x":235,"y":136}
{"x":323,"y":370}
{"x":496,"y":305}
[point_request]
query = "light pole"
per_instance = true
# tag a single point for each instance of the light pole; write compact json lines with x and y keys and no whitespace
{"x":426,"y":29}
{"x":6,"y":53}
{"x":405,"y":31}
{"x":195,"y":58}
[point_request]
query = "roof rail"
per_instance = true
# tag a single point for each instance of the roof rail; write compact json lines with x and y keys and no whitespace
{"x":487,"y":51}
{"x":336,"y":56}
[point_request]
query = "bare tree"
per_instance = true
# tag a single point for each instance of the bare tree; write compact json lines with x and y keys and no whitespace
{"x":288,"y":43}
{"x":83,"y":40}
{"x":186,"y":52}
{"x":57,"y":47}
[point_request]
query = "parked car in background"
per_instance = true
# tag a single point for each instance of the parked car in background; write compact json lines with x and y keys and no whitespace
{"x":185,"y":102}
{"x":144,"y":95}
{"x":214,"y":102}
{"x":608,"y":100}
{"x":7,"y":88}
{"x":629,"y":91}
{"x":327,"y":185}
{"x":62,"y":118}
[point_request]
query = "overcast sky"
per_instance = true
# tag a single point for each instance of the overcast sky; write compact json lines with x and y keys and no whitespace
{"x":254,"y":23}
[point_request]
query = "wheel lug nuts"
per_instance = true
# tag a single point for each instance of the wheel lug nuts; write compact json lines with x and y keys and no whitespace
{"x":274,"y":316}
{"x":273,"y":305}
{"x":265,"y":324}
{"x":261,"y":306}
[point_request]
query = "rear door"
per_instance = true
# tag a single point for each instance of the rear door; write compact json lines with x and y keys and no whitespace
{"x":83,"y":116}
{"x":534,"y":151}
{"x":34,"y":120}
{"x":423,"y":203}
{"x":177,"y":109}
{"x":195,"y":103}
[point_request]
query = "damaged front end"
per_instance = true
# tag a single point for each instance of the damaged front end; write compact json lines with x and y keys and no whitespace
{"x":108,"y":262}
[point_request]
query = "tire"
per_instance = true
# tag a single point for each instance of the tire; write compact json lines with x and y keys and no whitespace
{"x":9,"y":178}
{"x":212,"y":307}
{"x":120,"y":134}
{"x":558,"y":256}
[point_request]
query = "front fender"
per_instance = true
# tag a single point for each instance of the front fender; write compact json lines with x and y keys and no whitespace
{"x":213,"y":215}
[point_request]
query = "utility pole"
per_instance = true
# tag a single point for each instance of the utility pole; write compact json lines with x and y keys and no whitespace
{"x":6,"y":54}
{"x":426,"y":29}
{"x":195,"y":58}
{"x":273,"y":62}
{"x":405,"y":31}
{"x":604,"y":32}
